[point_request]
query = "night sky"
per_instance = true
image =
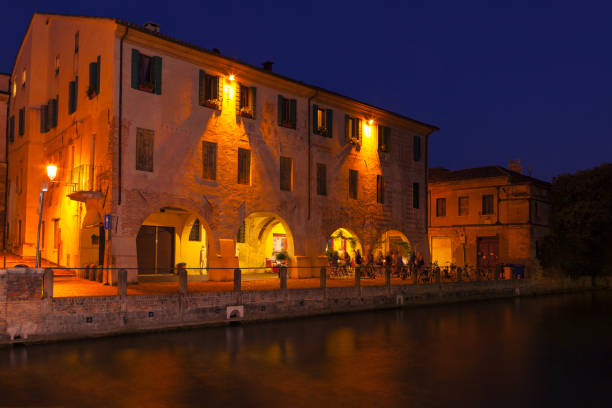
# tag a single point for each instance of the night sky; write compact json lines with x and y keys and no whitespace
{"x":501,"y":79}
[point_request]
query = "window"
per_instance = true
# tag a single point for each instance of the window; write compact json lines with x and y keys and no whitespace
{"x":144,"y":149}
{"x":195,"y":233}
{"x":286,"y":165}
{"x":415,"y":195}
{"x":73,"y":87}
{"x":244,"y":166}
{"x":19,"y":233}
{"x":384,"y":137}
{"x":210,"y":90}
{"x":57,"y":65}
{"x":247,"y":99}
{"x":76,"y":42}
{"x":21,"y":121}
{"x":416,"y":148}
{"x":209,"y":160}
{"x":94,"y":79}
{"x":48,"y":115}
{"x":441,"y":207}
{"x":322,"y":121}
{"x":321,"y":179}
{"x":353,"y":183}
{"x":56,"y":233}
{"x":352,"y":132}
{"x":487,"y":204}
{"x":146,"y":72}
{"x":23,"y":78}
{"x":12,"y":128}
{"x":463,"y":206}
{"x":287,"y":112}
{"x":380,"y":189}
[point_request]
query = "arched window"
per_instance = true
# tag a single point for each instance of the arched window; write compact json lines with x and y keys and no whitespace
{"x":194,"y":234}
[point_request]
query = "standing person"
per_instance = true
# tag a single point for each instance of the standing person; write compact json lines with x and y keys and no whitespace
{"x":411,"y":262}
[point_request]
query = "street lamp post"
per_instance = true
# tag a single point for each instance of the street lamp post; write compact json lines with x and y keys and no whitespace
{"x":51,"y":173}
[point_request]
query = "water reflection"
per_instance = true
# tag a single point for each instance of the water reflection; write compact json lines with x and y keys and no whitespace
{"x":516,"y":352}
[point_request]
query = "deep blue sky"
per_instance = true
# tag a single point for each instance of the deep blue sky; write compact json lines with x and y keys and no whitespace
{"x":502,"y":79}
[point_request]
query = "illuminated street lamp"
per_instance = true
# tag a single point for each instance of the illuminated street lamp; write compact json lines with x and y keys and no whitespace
{"x":51,"y":173}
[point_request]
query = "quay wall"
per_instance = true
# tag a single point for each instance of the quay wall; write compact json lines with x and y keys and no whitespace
{"x":29,"y":315}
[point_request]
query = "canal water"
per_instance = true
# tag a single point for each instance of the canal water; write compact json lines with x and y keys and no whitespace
{"x":530,"y":352}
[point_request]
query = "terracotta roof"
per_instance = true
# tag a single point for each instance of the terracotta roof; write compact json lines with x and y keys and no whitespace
{"x":198,"y":48}
{"x":440,"y":175}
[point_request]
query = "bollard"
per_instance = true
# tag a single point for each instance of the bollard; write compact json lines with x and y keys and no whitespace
{"x":438,"y":275}
{"x":99,"y":274}
{"x":237,"y":280}
{"x":182,"y":280}
{"x":459,"y":274}
{"x":323,"y":277}
{"x":388,"y":276}
{"x":283,"y":277}
{"x":122,"y":283}
{"x":478,"y":274}
{"x":357,"y":276}
{"x":48,"y":284}
{"x":415,"y":275}
{"x":86,"y":276}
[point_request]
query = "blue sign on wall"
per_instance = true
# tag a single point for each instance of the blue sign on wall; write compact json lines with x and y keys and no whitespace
{"x":107,"y":222}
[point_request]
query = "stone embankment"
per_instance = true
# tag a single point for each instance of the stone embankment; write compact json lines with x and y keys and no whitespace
{"x":30,"y":313}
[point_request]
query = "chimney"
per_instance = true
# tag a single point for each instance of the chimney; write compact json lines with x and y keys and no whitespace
{"x":267,"y":65}
{"x":515,"y":165}
{"x":153,"y":27}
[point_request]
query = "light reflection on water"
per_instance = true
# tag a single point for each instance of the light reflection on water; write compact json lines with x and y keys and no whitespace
{"x":518,"y":352}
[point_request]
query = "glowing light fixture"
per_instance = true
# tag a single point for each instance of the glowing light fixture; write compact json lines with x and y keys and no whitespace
{"x":51,"y":171}
{"x":370,"y":121}
{"x":232,"y":77}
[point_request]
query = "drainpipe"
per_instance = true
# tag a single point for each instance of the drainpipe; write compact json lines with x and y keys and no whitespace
{"x":6,"y":144}
{"x":120,"y":113}
{"x":309,"y":152}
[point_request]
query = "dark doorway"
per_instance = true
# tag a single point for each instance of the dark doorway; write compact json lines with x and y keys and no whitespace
{"x":487,"y":254}
{"x":155,"y":249}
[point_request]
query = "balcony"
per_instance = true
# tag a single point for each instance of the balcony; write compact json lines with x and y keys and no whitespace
{"x":84,"y":183}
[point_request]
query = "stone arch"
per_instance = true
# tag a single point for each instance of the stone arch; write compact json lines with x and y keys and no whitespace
{"x":340,"y":240}
{"x":257,"y":238}
{"x":394,"y":241}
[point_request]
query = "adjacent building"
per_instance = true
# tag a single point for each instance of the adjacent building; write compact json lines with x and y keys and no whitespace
{"x":191,"y":156}
{"x":4,"y":126}
{"x":487,"y":216}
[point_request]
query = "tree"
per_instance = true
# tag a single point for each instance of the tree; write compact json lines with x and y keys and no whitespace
{"x":581,"y":221}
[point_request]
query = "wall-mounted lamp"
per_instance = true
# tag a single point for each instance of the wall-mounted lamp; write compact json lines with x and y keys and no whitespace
{"x":232,"y":77}
{"x":51,"y":171}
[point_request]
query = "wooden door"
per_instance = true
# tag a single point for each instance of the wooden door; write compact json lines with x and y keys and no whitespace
{"x":165,"y":250}
{"x":146,"y":249}
{"x":487,"y":253}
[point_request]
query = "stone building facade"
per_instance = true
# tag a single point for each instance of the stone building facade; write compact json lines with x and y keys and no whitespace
{"x":487,"y":216}
{"x":4,"y":126}
{"x":198,"y":158}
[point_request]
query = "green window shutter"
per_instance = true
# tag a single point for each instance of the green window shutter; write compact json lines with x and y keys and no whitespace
{"x":55,"y":103}
{"x":315,"y":119}
{"x":387,"y":137}
{"x":21,"y":121}
{"x":358,"y":124}
{"x":98,"y":67}
{"x":71,"y":96}
{"x":294,"y":113}
{"x":329,"y":123}
{"x":93,"y":75}
{"x":347,"y":128}
{"x":202,"y":88}
{"x":237,"y":97}
{"x":280,"y":109}
{"x":76,"y":93}
{"x":220,"y":82}
{"x":253,"y":98}
{"x":12,"y":128}
{"x":157,"y":74}
{"x":43,"y":118}
{"x":135,"y":69}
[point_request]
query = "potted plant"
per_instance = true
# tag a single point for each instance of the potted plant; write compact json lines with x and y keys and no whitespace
{"x":95,"y":239}
{"x":246,"y":112}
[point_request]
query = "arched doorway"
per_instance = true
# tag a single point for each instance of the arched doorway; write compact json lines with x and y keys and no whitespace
{"x":263,"y":240}
{"x":342,"y":241}
{"x":393,"y":241}
{"x":168,"y":237}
